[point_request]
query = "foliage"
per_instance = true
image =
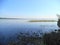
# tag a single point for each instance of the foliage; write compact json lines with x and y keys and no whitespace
{"x":52,"y":38}
{"x":58,"y":23}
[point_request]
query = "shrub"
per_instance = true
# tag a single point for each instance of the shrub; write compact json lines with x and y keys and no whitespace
{"x":52,"y":38}
{"x":58,"y":23}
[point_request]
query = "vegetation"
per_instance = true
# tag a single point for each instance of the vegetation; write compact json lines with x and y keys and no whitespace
{"x":52,"y":38}
{"x":27,"y":39}
{"x":35,"y":38}
{"x":42,"y":21}
{"x":58,"y":23}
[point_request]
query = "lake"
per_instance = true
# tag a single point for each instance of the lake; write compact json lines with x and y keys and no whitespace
{"x":11,"y":27}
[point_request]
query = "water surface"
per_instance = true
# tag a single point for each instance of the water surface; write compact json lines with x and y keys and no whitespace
{"x":10,"y":27}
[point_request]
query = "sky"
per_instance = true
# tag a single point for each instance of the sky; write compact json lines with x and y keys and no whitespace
{"x":30,"y":8}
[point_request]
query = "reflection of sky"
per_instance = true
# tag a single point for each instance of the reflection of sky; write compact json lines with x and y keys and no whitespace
{"x":30,"y":8}
{"x":13,"y":26}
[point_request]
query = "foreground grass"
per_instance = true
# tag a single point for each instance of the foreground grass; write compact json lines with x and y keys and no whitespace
{"x":52,"y":38}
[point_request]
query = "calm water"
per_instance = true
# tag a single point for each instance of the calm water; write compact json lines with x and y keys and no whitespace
{"x":10,"y":27}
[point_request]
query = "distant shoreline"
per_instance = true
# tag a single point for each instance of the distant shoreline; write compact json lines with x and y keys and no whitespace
{"x":30,"y":20}
{"x":13,"y":18}
{"x":42,"y":21}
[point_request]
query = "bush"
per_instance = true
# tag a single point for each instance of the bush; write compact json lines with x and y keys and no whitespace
{"x":52,"y":38}
{"x":58,"y":23}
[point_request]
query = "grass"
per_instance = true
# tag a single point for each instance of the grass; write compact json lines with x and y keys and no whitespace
{"x":42,"y":21}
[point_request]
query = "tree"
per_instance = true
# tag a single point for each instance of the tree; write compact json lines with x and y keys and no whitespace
{"x":58,"y":23}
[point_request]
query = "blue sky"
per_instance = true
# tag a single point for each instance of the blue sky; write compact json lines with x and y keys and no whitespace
{"x":29,"y":8}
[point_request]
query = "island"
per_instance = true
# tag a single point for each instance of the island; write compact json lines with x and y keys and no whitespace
{"x":42,"y":20}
